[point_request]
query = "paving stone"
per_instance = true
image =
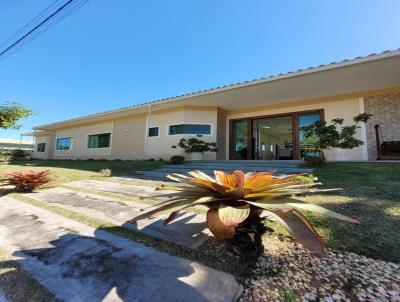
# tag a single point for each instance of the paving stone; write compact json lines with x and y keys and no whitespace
{"x":115,"y":187}
{"x":189,"y":229}
{"x":79,"y":263}
{"x":3,"y":297}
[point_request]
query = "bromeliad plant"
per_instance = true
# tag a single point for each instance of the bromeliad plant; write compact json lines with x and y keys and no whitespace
{"x":233,"y":198}
{"x":28,"y":181}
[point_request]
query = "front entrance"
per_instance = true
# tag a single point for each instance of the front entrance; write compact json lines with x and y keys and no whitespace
{"x":276,"y":137}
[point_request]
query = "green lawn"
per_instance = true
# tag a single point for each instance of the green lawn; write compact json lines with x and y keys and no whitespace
{"x":371,"y":193}
{"x":70,"y":170}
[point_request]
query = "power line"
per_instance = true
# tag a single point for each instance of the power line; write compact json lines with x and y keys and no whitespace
{"x":37,"y":17}
{"x":60,"y":13}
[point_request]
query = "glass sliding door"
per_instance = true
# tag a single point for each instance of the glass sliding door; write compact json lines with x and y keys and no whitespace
{"x":277,"y":137}
{"x":307,"y":144}
{"x":239,"y":146}
{"x":273,"y":138}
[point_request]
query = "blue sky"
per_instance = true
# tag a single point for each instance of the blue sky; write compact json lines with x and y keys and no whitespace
{"x":110,"y":54}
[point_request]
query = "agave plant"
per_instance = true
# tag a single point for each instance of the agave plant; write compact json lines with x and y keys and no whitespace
{"x":28,"y":181}
{"x":232,"y":198}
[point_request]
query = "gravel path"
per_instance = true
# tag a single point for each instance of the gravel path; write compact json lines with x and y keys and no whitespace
{"x":298,"y":276}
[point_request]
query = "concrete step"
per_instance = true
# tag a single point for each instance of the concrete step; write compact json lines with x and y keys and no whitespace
{"x":231,"y":168}
{"x":79,"y":263}
{"x":211,"y":171}
{"x":157,"y":175}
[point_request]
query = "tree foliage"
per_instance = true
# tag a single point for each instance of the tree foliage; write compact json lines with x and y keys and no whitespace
{"x":334,"y":135}
{"x":195,"y":144}
{"x":11,"y":113}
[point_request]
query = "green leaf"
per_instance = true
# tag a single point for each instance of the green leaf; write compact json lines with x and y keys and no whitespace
{"x":232,"y":216}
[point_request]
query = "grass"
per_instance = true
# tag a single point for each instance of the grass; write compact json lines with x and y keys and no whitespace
{"x":371,"y":194}
{"x":71,"y":170}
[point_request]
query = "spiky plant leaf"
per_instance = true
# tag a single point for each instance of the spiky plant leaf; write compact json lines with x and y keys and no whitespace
{"x":217,"y":227}
{"x":298,"y":227}
{"x":232,"y":216}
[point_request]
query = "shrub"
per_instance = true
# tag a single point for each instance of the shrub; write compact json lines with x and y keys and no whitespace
{"x":105,"y":172}
{"x":5,"y":155}
{"x":177,"y":159}
{"x":20,"y":154}
{"x":28,"y":181}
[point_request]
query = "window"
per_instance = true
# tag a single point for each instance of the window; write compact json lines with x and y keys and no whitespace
{"x":307,"y":144}
{"x":99,"y":140}
{"x":195,"y":129}
{"x":41,"y":147}
{"x":64,"y":143}
{"x":153,"y":131}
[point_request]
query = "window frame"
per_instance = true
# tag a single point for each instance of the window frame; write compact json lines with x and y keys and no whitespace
{"x":70,"y":145}
{"x":158,"y":131}
{"x":183,"y":134}
{"x":88,"y":138}
{"x":44,"y":148}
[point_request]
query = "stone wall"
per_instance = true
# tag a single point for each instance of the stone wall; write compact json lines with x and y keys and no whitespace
{"x":221,"y":135}
{"x":386,"y":112}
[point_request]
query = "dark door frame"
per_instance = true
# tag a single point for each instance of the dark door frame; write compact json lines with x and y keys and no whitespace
{"x":250,"y":120}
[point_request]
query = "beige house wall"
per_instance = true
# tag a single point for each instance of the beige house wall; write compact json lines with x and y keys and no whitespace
{"x":79,"y":135}
{"x":39,"y":140}
{"x":128,"y":137}
{"x":160,"y":147}
{"x":128,"y":134}
{"x":345,"y":109}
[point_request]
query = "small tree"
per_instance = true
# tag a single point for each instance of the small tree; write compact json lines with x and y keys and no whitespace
{"x":325,"y":136}
{"x":11,"y":113}
{"x":195,"y":144}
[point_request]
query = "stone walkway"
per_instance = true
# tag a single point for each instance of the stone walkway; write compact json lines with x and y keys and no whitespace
{"x":188,"y":229}
{"x":79,"y":263}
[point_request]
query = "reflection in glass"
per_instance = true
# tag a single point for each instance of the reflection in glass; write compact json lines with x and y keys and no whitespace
{"x":307,"y":145}
{"x":272,"y":138}
{"x":240,"y":139}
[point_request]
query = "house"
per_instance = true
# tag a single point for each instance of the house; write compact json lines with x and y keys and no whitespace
{"x":12,"y":144}
{"x":257,"y":119}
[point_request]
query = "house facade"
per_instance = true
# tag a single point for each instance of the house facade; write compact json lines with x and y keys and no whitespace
{"x":258,"y":119}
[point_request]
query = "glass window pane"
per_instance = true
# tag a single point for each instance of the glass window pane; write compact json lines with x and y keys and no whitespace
{"x":273,"y":138}
{"x":307,"y":144}
{"x":240,"y":139}
{"x":197,"y":129}
{"x":41,"y":147}
{"x":99,"y":140}
{"x":153,"y":131}
{"x":63,"y":143}
{"x":194,"y":129}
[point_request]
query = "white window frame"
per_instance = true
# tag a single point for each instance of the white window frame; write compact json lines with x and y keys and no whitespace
{"x":70,"y":146}
{"x":159,"y":130}
{"x":194,"y":135}
{"x":103,"y":148}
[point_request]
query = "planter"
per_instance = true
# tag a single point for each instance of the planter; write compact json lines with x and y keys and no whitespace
{"x":336,"y":154}
{"x":196,"y":156}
